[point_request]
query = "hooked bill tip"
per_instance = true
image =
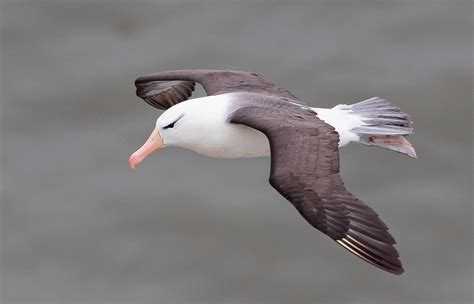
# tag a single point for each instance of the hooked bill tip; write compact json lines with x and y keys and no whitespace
{"x":132,"y":161}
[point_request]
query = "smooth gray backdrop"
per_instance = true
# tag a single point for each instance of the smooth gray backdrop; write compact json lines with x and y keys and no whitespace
{"x":78,"y":226}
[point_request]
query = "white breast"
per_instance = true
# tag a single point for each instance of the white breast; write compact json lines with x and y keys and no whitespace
{"x":238,"y":141}
{"x":210,"y":134}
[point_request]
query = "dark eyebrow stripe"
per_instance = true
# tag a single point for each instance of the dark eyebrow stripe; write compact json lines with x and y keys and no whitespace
{"x":173,"y":123}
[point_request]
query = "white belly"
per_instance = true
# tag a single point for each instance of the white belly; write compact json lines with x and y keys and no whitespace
{"x":234,"y":141}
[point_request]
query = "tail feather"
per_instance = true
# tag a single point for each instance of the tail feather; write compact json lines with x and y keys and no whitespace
{"x":383,"y":125}
{"x":383,"y":130}
{"x":374,"y":102}
{"x":380,"y":117}
{"x":374,"y":122}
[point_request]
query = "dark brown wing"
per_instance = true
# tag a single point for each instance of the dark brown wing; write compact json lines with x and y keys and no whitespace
{"x":305,"y":170}
{"x":165,"y":89}
{"x":165,"y":94}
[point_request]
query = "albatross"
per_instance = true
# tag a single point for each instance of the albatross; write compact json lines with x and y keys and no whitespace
{"x":245,"y":115}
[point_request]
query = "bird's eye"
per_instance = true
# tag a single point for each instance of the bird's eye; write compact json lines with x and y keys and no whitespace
{"x":170,"y":126}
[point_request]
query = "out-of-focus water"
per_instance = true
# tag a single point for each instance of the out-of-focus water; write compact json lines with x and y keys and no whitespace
{"x":78,"y":226}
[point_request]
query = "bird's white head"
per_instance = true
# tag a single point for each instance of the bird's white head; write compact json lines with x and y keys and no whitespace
{"x":188,"y":124}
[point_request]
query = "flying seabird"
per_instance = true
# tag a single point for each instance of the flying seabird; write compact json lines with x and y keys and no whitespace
{"x":245,"y":115}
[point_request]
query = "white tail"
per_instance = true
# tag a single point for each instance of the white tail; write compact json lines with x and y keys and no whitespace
{"x":374,"y":122}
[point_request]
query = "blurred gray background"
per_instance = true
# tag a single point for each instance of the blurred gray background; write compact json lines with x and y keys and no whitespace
{"x":78,"y":226}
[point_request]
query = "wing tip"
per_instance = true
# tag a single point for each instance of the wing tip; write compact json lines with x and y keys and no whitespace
{"x":391,"y":264}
